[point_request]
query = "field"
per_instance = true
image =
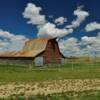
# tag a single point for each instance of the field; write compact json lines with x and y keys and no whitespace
{"x":18,"y":73}
{"x":74,"y":80}
{"x":70,"y":70}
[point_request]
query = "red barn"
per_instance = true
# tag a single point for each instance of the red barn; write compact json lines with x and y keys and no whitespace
{"x":36,"y":51}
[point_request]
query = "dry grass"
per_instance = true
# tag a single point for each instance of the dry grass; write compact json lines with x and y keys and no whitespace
{"x":13,"y":90}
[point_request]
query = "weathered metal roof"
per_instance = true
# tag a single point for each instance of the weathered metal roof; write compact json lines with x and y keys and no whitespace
{"x":31,"y":49}
{"x":7,"y":54}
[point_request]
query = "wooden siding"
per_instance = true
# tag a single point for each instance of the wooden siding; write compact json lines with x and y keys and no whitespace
{"x":16,"y":61}
{"x":52,"y":54}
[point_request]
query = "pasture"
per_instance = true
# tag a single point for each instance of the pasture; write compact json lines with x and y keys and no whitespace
{"x":71,"y":69}
{"x":76,"y":79}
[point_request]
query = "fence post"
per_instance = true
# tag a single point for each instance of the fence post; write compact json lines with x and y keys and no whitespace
{"x":30,"y":66}
{"x":72,"y":65}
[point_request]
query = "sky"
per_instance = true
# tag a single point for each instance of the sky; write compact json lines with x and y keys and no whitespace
{"x":75,"y":24}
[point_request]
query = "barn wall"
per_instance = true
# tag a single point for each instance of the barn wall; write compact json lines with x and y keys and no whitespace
{"x":52,"y":54}
{"x":11,"y":60}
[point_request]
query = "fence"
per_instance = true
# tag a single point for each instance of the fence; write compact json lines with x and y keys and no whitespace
{"x":75,"y":62}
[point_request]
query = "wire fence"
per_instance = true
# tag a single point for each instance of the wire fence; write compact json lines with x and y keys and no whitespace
{"x":88,"y":62}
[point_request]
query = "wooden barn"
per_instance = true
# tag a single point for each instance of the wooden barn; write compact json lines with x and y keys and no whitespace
{"x":38,"y":51}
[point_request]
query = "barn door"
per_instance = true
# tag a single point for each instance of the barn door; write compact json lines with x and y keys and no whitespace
{"x":38,"y":61}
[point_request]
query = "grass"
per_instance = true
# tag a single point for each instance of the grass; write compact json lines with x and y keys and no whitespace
{"x":80,"y":70}
{"x":15,"y":73}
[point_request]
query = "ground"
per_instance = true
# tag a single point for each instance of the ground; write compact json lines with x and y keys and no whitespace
{"x":79,"y":72}
{"x":12,"y":73}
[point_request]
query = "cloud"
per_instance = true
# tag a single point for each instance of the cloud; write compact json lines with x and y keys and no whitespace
{"x":3,"y":43}
{"x":5,"y":34}
{"x":11,"y":36}
{"x":92,"y":26}
{"x":11,"y":42}
{"x":45,"y":28}
{"x":32,"y":12}
{"x":50,"y":30}
{"x":88,"y":40}
{"x":60,"y":20}
{"x":92,"y":43}
{"x":87,"y":46}
{"x":81,"y":16}
{"x":69,"y":47}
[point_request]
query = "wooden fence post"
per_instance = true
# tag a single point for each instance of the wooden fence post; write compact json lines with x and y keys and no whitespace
{"x":30,"y":66}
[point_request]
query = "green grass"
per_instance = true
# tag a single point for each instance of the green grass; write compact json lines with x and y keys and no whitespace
{"x":12,"y":73}
{"x":17,"y":73}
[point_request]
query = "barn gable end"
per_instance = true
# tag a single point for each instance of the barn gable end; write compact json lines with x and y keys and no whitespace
{"x":52,"y":53}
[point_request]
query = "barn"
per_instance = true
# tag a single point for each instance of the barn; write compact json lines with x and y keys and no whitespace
{"x":37,"y":51}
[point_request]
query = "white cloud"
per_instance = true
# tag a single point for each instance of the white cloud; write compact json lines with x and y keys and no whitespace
{"x":92,"y":43}
{"x":88,"y":40}
{"x":11,"y":42}
{"x":11,"y":36}
{"x":45,"y":28}
{"x":92,"y":26}
{"x":87,"y":46}
{"x":32,"y":12}
{"x":5,"y":34}
{"x":69,"y":47}
{"x":60,"y":20}
{"x":3,"y":43}
{"x":81,"y":16}
{"x":50,"y":30}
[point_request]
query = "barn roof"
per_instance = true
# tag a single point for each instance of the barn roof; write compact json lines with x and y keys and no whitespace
{"x":32,"y":48}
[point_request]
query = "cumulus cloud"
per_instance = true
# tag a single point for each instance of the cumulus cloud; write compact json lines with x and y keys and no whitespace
{"x":92,"y":43}
{"x":45,"y":28}
{"x":32,"y":12}
{"x":3,"y":43}
{"x":91,"y":40}
{"x":50,"y":30}
{"x":11,"y":36}
{"x":5,"y":34}
{"x":81,"y":16}
{"x":88,"y":40}
{"x":10,"y":42}
{"x":92,"y":26}
{"x":87,"y":46}
{"x":60,"y":20}
{"x":69,"y":47}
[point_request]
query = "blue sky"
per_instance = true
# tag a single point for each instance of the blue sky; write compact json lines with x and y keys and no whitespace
{"x":12,"y":20}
